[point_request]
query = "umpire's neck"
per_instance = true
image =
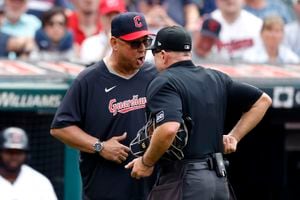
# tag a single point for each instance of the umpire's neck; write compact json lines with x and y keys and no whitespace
{"x":167,"y":58}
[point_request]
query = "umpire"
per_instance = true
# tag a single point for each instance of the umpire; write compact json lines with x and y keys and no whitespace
{"x":185,"y":90}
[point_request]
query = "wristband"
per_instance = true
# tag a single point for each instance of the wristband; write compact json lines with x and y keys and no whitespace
{"x":146,"y":165}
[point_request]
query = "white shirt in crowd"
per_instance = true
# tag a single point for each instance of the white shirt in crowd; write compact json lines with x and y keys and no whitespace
{"x":292,"y":36}
{"x":29,"y":185}
{"x":94,"y":48}
{"x":258,"y":54}
{"x":238,"y":36}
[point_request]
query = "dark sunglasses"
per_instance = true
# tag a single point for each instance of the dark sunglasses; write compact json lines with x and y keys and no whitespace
{"x":155,"y":51}
{"x":136,"y":44}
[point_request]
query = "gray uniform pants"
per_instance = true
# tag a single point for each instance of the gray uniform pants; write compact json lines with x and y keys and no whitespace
{"x":199,"y":182}
{"x":190,"y":181}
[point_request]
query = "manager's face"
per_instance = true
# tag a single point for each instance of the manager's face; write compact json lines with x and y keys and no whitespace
{"x":131,"y":53}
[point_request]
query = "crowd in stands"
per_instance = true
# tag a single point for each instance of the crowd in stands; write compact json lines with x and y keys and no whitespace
{"x":254,"y":31}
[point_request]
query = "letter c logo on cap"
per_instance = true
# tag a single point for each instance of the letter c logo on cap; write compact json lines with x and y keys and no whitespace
{"x":137,"y":21}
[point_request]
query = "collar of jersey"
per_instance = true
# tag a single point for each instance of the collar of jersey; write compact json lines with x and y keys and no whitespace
{"x":183,"y":63}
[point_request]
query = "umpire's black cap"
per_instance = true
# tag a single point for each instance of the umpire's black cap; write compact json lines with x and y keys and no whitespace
{"x":172,"y":38}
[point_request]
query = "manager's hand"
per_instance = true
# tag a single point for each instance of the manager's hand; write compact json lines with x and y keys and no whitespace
{"x":115,"y":151}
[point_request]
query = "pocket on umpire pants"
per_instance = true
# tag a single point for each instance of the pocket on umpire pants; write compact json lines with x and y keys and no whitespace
{"x":168,"y":191}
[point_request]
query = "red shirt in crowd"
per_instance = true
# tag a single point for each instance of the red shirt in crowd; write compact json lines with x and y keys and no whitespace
{"x":73,"y":24}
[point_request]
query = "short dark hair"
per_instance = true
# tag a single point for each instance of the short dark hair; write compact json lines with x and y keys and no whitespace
{"x":47,"y":15}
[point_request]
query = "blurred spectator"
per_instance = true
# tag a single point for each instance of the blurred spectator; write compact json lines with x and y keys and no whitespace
{"x":161,"y":13}
{"x":38,"y":7}
{"x":205,"y":40}
{"x":131,"y":5}
{"x":2,"y":16}
{"x":206,"y":6}
{"x":264,"y":8}
{"x":19,"y":45}
{"x":17,"y":179}
{"x":69,"y":4}
{"x":54,"y":41}
{"x":292,"y":30}
{"x":270,"y":49}
{"x":84,"y":20}
{"x":17,"y":22}
{"x":96,"y":47}
{"x":240,"y":29}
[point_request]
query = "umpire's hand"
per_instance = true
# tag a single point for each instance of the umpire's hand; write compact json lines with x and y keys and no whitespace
{"x":115,"y":151}
{"x":230,"y":143}
{"x":139,"y":169}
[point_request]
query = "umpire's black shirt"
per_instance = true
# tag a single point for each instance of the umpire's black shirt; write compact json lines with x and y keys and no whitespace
{"x":203,"y":94}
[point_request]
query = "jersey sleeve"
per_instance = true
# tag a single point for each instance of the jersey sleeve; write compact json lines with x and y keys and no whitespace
{"x":241,"y":96}
{"x":71,"y":110}
{"x":164,"y":103}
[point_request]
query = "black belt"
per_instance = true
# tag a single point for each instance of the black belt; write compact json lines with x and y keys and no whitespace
{"x":204,"y":162}
{"x":177,"y":166}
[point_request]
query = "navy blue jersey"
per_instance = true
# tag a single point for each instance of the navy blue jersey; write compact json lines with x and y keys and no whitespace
{"x":105,"y":105}
{"x":202,"y":94}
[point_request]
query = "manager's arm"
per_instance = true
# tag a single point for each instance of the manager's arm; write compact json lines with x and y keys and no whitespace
{"x":75,"y":137}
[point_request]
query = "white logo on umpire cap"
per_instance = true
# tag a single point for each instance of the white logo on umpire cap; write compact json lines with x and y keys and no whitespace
{"x":187,"y":47}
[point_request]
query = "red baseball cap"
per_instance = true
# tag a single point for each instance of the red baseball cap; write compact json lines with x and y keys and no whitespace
{"x":108,"y":6}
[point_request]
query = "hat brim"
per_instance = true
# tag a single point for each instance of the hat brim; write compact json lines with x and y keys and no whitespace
{"x":15,"y":146}
{"x":152,"y":47}
{"x":209,"y":34}
{"x":111,"y":10}
{"x":136,"y":35}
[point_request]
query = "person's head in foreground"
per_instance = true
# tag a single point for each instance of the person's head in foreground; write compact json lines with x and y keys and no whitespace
{"x":172,"y":44}
{"x":129,"y":39}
